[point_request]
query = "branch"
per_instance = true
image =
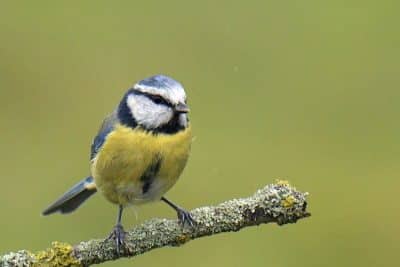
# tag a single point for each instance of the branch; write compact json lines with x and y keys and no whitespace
{"x":277,"y":203}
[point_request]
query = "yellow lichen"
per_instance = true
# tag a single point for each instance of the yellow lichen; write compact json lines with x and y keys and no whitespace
{"x":60,"y":254}
{"x":282,"y":182}
{"x":288,"y":202}
{"x":182,"y":239}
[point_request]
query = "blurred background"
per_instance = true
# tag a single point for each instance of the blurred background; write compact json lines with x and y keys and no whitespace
{"x":306,"y":91}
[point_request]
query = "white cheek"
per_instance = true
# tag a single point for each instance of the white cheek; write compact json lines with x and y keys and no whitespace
{"x":183,"y":121}
{"x":159,"y":115}
{"x":147,"y":113}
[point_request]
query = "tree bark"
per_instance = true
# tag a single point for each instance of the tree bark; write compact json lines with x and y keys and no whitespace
{"x":276,"y":203}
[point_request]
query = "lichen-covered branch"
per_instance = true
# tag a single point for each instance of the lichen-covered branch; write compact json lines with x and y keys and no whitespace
{"x":278,"y":203}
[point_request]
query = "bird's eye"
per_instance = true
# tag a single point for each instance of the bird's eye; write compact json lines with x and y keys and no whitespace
{"x":157,"y":99}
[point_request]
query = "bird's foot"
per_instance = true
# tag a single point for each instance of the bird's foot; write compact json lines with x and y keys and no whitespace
{"x":118,"y":235}
{"x":184,"y":217}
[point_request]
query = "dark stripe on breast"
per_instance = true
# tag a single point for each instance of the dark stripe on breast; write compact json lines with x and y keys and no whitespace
{"x":150,"y":174}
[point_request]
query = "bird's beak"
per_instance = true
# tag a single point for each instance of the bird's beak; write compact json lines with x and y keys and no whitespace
{"x":182,"y":108}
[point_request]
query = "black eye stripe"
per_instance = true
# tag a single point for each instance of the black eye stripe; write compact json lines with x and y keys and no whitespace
{"x":157,"y":99}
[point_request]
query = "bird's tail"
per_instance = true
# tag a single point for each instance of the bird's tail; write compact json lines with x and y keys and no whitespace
{"x":73,"y":198}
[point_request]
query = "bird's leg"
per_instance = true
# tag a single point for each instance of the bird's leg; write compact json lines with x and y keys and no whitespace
{"x":183,"y":215}
{"x":118,"y":232}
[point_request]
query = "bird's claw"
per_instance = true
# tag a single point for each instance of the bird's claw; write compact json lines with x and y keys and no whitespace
{"x":184,"y":217}
{"x":118,"y":235}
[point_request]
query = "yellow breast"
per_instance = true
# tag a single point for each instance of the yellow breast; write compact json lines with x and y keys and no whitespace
{"x":120,"y":167}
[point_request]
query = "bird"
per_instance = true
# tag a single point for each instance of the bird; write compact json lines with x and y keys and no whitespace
{"x":138,"y":153}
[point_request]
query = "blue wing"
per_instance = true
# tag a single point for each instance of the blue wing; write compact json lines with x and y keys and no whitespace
{"x":106,"y":128}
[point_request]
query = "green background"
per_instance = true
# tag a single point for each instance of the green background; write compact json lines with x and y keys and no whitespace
{"x":306,"y":91}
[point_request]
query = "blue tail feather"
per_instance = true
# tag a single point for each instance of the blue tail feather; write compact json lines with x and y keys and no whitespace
{"x":73,"y":198}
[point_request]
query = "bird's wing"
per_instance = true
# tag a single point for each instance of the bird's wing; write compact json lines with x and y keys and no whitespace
{"x":106,"y":127}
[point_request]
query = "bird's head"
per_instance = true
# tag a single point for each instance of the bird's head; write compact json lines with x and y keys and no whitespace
{"x":157,"y":104}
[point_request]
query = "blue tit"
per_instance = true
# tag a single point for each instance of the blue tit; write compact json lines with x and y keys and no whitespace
{"x":139,"y":152}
